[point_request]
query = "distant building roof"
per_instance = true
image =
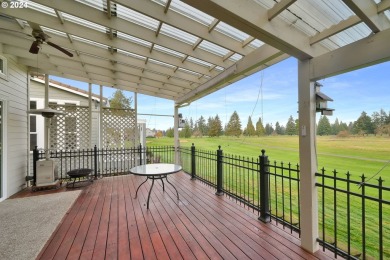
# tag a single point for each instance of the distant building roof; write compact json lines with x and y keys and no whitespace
{"x":69,"y":88}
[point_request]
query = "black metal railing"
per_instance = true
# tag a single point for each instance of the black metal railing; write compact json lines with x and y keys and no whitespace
{"x":354,"y":216}
{"x":271,"y":191}
{"x":104,"y":162}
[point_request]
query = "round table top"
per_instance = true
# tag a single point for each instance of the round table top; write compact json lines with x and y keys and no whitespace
{"x":155,"y":169}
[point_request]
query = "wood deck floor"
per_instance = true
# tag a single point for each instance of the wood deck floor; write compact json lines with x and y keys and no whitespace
{"x":106,"y":222}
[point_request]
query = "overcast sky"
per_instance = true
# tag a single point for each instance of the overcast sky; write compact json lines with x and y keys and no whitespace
{"x":273,"y":95}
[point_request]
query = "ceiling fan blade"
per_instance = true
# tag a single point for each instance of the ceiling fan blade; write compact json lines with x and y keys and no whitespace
{"x":60,"y":49}
{"x":34,"y":49}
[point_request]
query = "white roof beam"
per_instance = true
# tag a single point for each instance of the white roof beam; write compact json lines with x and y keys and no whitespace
{"x":364,"y":9}
{"x":252,"y":18}
{"x":335,"y":29}
{"x":102,"y":74}
{"x":247,"y":65}
{"x":167,"y":5}
{"x":182,"y":82}
{"x":108,"y":2}
{"x":248,"y":40}
{"x":21,"y":24}
{"x":196,"y":44}
{"x":383,"y":6}
{"x":99,"y":37}
{"x":99,"y":17}
{"x":278,"y":8}
{"x":214,"y":24}
{"x":186,"y":24}
{"x":363,"y":53}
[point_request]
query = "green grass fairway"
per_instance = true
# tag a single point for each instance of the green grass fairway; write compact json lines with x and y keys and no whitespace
{"x":357,"y":155}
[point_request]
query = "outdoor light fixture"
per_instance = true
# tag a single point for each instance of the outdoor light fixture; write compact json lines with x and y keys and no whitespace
{"x":45,"y":112}
{"x":182,"y":121}
{"x":322,"y":101}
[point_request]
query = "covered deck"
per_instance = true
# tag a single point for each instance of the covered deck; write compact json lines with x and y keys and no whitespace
{"x":106,"y":222}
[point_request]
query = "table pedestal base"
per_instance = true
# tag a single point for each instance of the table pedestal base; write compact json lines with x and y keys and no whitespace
{"x":157,"y":177}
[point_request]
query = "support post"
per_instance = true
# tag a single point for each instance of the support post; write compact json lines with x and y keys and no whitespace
{"x":90,"y":112}
{"x":95,"y":161}
{"x":35,"y":159}
{"x":140,"y":154}
{"x":47,"y":120}
{"x":219,"y":172}
{"x":176,"y":135}
{"x":265,"y":215}
{"x":307,"y":158}
{"x":193,"y":162}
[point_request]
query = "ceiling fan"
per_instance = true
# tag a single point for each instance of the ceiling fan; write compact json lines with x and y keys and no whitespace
{"x":40,"y":37}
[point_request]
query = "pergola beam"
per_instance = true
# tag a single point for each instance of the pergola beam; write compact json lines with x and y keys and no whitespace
{"x":278,"y":8}
{"x":252,"y":18}
{"x":259,"y":59}
{"x":363,"y":53}
{"x":362,"y":10}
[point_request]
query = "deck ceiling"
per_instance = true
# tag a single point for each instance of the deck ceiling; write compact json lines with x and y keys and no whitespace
{"x":183,"y":50}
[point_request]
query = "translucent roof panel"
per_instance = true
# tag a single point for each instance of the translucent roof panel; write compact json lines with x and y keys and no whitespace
{"x":191,"y":12}
{"x":256,"y":43}
{"x":97,"y":4}
{"x":83,"y":22}
{"x":199,"y":62}
{"x":134,"y":39}
{"x":231,"y":31}
{"x":49,"y":30}
{"x":162,"y":63}
{"x":90,"y":42}
{"x":169,"y":51}
{"x":213,"y":48}
{"x":235,"y":57}
{"x":351,"y":35}
{"x":178,"y":34}
{"x":41,"y":8}
{"x":130,"y":54}
{"x":136,"y":17}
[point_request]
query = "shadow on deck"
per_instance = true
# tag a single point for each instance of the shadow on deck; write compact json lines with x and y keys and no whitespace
{"x":106,"y":222}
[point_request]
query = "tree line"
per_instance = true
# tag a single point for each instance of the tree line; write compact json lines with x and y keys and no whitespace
{"x":377,"y":123}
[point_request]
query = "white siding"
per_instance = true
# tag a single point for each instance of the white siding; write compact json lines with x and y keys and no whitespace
{"x":14,"y":94}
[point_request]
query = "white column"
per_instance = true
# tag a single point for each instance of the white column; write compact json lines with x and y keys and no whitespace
{"x":137,"y":135}
{"x":101,"y":118}
{"x":47,"y":120}
{"x":176,"y":134}
{"x":308,"y":158}
{"x":90,"y":113}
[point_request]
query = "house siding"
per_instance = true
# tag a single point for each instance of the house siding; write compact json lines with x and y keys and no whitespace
{"x":14,"y":94}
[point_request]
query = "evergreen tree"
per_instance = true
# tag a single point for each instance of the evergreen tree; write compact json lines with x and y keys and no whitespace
{"x":324,"y":127}
{"x":260,"y":128}
{"x":202,"y":125}
{"x":297,"y":126}
{"x":250,"y":129}
{"x":278,"y":129}
{"x":119,"y":100}
{"x":216,"y":127}
{"x":192,"y":127}
{"x":336,"y":127}
{"x":290,"y":127}
{"x":269,"y":129}
{"x":169,"y":132}
{"x":363,"y":125}
{"x":233,"y":128}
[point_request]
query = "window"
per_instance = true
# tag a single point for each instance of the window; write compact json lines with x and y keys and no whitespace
{"x":3,"y":68}
{"x":33,"y":127}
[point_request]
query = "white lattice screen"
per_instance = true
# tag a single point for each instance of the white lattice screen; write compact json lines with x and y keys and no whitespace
{"x":119,"y":128}
{"x":70,"y":130}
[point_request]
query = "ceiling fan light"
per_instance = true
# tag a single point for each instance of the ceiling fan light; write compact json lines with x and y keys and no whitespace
{"x":34,"y":49}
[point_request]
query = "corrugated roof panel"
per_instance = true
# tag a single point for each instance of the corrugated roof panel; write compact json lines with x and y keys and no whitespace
{"x":41,"y":8}
{"x":134,"y":39}
{"x":199,"y":62}
{"x":130,"y":54}
{"x":213,"y":48}
{"x":256,"y":43}
{"x":136,"y":17}
{"x":352,"y":34}
{"x":191,"y":12}
{"x":97,"y":4}
{"x":90,"y":42}
{"x":49,"y":30}
{"x":168,"y":51}
{"x":236,"y":57}
{"x":178,"y":34}
{"x":231,"y":31}
{"x":83,"y":22}
{"x":162,"y":63}
{"x":190,"y":72}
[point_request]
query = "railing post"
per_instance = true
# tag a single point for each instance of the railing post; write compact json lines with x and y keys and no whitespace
{"x":140,"y":154}
{"x":95,"y":159}
{"x":193,"y":162}
{"x":219,"y":171}
{"x":35,"y":159}
{"x":264,"y":188}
